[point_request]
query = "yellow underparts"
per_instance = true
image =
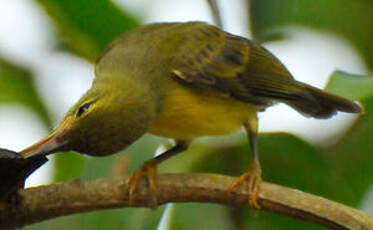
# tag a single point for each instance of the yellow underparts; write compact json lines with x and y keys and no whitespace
{"x":188,"y":113}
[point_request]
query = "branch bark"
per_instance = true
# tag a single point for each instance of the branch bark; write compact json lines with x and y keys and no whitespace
{"x":46,"y":202}
{"x":214,"y":8}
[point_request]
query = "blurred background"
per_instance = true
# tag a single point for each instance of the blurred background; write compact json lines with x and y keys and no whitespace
{"x":47,"y":51}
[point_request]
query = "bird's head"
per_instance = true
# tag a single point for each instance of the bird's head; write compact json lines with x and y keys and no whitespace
{"x":107,"y":119}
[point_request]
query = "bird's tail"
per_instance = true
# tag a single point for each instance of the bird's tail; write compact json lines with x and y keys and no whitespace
{"x":319,"y":104}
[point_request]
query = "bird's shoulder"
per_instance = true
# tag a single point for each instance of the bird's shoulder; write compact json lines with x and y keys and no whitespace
{"x":205,"y":53}
{"x":207,"y":56}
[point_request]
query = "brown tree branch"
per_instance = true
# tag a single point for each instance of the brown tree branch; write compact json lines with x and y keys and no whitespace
{"x":214,"y":8}
{"x":46,"y":202}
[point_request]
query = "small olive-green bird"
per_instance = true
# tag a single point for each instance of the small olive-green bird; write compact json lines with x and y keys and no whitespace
{"x":182,"y":81}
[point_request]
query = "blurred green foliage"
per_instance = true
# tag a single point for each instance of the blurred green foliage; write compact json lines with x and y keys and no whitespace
{"x":86,"y":27}
{"x":353,"y":20}
{"x":351,"y":86}
{"x":341,"y":171}
{"x":17,"y":87}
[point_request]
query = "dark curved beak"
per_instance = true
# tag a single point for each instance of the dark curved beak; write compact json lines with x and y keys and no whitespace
{"x":51,"y":143}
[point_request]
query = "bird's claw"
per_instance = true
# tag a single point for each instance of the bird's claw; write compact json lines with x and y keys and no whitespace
{"x":253,"y":177}
{"x":149,"y":171}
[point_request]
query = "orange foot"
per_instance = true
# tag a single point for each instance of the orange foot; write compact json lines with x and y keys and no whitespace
{"x":148,"y":170}
{"x":254,"y":177}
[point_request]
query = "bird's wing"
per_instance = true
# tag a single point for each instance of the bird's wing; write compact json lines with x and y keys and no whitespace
{"x":232,"y":65}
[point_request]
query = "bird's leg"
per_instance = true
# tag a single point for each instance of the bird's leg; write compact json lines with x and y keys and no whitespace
{"x":149,"y":170}
{"x":254,"y":175}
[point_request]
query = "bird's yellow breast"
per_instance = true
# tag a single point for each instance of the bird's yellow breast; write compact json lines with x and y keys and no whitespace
{"x":189,"y":112}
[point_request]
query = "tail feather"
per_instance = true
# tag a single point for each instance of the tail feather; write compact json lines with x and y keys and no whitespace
{"x":319,"y":104}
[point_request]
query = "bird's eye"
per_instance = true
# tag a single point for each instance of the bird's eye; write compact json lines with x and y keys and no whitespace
{"x":82,"y":109}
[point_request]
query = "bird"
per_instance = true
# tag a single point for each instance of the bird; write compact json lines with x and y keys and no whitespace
{"x":182,"y":81}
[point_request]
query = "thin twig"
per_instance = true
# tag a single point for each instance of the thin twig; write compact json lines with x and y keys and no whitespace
{"x":215,"y":12}
{"x":46,"y":202}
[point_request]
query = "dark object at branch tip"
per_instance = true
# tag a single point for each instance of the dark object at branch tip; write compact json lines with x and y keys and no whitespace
{"x":14,"y":169}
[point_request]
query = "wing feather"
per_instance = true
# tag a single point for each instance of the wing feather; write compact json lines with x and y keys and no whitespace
{"x":232,"y":65}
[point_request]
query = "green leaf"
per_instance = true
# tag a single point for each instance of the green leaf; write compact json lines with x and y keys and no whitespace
{"x":67,"y":166}
{"x":88,"y":26}
{"x":355,"y":87}
{"x":289,"y":161}
{"x":351,"y":19}
{"x":286,"y":160}
{"x":114,"y":219}
{"x":17,"y":87}
{"x":352,"y":157}
{"x":199,"y":216}
{"x":246,"y":219}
